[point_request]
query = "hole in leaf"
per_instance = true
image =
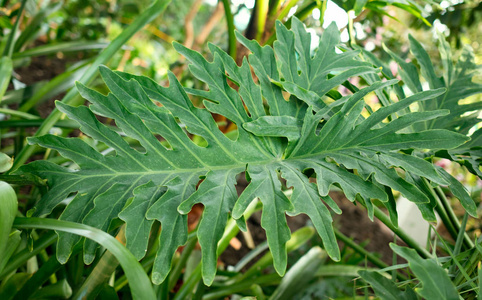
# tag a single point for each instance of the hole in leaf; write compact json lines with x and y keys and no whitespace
{"x":198,"y":140}
{"x":163,"y":142}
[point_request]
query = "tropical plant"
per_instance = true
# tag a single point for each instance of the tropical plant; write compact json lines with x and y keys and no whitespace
{"x":290,"y":138}
{"x":295,"y":138}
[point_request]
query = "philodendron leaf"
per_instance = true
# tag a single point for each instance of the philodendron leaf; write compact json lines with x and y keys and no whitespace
{"x":436,"y":283}
{"x":289,"y":136}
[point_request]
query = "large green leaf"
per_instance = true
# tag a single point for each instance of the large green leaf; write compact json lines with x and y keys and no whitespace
{"x":290,"y":138}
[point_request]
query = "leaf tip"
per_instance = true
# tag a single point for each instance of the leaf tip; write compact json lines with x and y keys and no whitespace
{"x":63,"y":258}
{"x":178,"y":47}
{"x":280,"y":270}
{"x":184,"y":209}
{"x":88,"y":258}
{"x":31,"y":212}
{"x":157,"y":278}
{"x":208,"y":279}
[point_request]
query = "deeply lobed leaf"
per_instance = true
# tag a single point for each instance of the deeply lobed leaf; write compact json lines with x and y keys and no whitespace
{"x":290,"y":138}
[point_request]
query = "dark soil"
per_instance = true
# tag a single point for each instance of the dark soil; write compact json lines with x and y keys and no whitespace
{"x":42,"y":68}
{"x":353,"y":222}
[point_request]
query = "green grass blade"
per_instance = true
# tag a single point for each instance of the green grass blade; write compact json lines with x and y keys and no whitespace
{"x":60,"y":47}
{"x":22,"y":256}
{"x":6,"y":162}
{"x":141,"y":287}
{"x":300,"y":275}
{"x":8,"y":50}
{"x":8,"y":210}
{"x":231,"y":28}
{"x":6,"y":68}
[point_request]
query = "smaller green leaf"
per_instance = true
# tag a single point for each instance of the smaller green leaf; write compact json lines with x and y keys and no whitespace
{"x":13,"y":241}
{"x":436,"y":283}
{"x":426,"y":66}
{"x":6,"y":162}
{"x":408,"y":72}
{"x":6,"y":68}
{"x":309,"y":97}
{"x":8,"y":211}
{"x":328,"y":174}
{"x":12,"y":285}
{"x":286,"y":126}
{"x":107,"y":206}
{"x":385,"y":288}
{"x":460,"y":192}
{"x":359,"y":5}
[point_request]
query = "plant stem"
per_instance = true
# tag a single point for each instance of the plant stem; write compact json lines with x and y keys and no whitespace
{"x":298,"y":238}
{"x":322,"y":11}
{"x":401,"y":234}
{"x":286,"y":9}
{"x":122,"y":280}
{"x":302,"y":14}
{"x":261,"y":15}
{"x":231,"y":35}
{"x":452,"y":217}
{"x":471,"y":265}
{"x":273,"y":8}
{"x":439,"y":209}
{"x":269,"y":279}
{"x":370,"y":256}
{"x":23,"y":180}
{"x":351,"y":29}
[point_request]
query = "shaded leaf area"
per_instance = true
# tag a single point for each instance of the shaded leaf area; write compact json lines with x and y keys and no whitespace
{"x":291,"y":138}
{"x":436,"y":283}
{"x":385,"y":288}
{"x":458,"y":79}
